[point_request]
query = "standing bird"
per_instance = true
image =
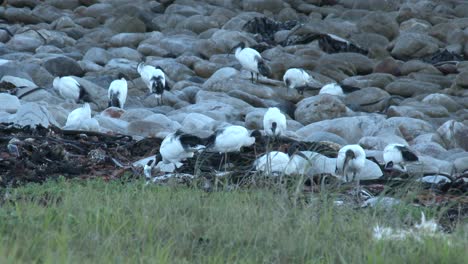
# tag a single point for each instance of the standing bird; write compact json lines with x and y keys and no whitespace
{"x":155,"y":80}
{"x":299,"y":79}
{"x":251,"y":60}
{"x":397,"y":155}
{"x":231,"y":139}
{"x":177,"y":147}
{"x":80,"y":119}
{"x":350,"y":161}
{"x":274,"y":122}
{"x":70,"y":89}
{"x":117,"y":93}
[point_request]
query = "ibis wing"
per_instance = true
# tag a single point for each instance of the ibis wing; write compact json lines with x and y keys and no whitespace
{"x":407,"y":154}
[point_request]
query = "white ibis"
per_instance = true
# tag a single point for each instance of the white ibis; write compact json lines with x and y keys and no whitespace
{"x":299,"y":79}
{"x":274,"y":122}
{"x":69,"y":88}
{"x":251,"y":60}
{"x":350,"y":161}
{"x":397,"y":155}
{"x":155,"y":80}
{"x":177,"y":147}
{"x":117,"y":93}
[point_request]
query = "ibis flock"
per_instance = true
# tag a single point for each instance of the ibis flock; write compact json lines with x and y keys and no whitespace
{"x":179,"y":146}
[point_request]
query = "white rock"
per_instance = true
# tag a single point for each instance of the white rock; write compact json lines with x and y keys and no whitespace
{"x":9,"y":103}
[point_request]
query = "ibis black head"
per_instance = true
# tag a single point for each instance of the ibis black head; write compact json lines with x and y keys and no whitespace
{"x":241,"y":45}
{"x":122,"y":75}
{"x":257,"y":135}
{"x":350,"y":154}
{"x":158,"y":85}
{"x":389,"y":165}
{"x":274,"y":125}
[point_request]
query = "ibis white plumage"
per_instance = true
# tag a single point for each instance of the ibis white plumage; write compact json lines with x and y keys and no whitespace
{"x":350,"y":161}
{"x":69,"y":88}
{"x":251,"y":60}
{"x":299,"y":79}
{"x":177,"y":147}
{"x":396,"y":156}
{"x":155,"y":80}
{"x":272,"y":162}
{"x":274,"y":122}
{"x":231,"y":139}
{"x":80,"y":119}
{"x":117,"y":93}
{"x":337,"y":89}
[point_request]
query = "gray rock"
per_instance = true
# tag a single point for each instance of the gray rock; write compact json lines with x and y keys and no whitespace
{"x":114,"y":125}
{"x":135,"y":114}
{"x":381,"y":141}
{"x":176,"y":71}
{"x":415,"y":25}
{"x":198,"y":23}
{"x":248,"y":98}
{"x":9,"y":103}
{"x":461,"y":164}
{"x":195,"y":122}
{"x":97,"y":55}
{"x":431,"y":149}
{"x":318,"y":108}
{"x":417,"y":66}
{"x":379,"y":23}
{"x":178,"y":44}
{"x":414,"y":45}
{"x":127,"y":39}
{"x":409,"y":87}
{"x":462,"y":79}
{"x":33,"y":114}
{"x":405,"y":111}
{"x":121,"y":65}
{"x":64,"y":4}
{"x":218,"y":111}
{"x":326,"y":136}
{"x":369,"y":99}
{"x":409,"y":128}
{"x":126,"y":53}
{"x":89,"y":66}
{"x":263,"y":5}
{"x":46,"y":13}
{"x":443,"y":100}
{"x":126,"y":24}
{"x":17,"y":81}
{"x":254,"y":119}
{"x":62,"y":66}
{"x":204,"y":96}
{"x":371,"y":80}
{"x":26,"y":41}
{"x":217,"y":83}
{"x":156,"y":125}
{"x":227,"y":39}
{"x":454,"y":134}
{"x":352,"y":129}
{"x":435,"y":111}
{"x":21,"y":15}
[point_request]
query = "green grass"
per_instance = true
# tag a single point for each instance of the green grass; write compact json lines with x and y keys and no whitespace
{"x":98,"y":222}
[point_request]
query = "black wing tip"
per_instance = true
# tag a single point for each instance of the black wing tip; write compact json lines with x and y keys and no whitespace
{"x":407,"y":154}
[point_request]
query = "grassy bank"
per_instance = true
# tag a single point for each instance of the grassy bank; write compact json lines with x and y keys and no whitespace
{"x":83,"y":222}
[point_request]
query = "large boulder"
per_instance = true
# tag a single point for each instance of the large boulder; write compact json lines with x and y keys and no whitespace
{"x":414,"y":45}
{"x":454,"y":134}
{"x":318,"y":108}
{"x":62,"y":66}
{"x":33,"y":115}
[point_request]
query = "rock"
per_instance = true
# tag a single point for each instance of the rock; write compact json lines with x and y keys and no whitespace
{"x":198,"y":124}
{"x":219,"y":111}
{"x":414,"y":45}
{"x":112,"y":125}
{"x":318,"y":108}
{"x":454,"y":134}
{"x":462,"y":79}
{"x":21,"y":15}
{"x":198,"y":23}
{"x":405,"y":111}
{"x":408,"y":87}
{"x":9,"y":103}
{"x":273,"y":6}
{"x":379,"y":23}
{"x":97,"y":55}
{"x":379,"y":80}
{"x":348,"y":63}
{"x":443,"y":100}
{"x":122,"y":65}
{"x":17,"y":81}
{"x":415,"y":25}
{"x":389,"y":65}
{"x":226,"y":39}
{"x":125,"y":53}
{"x":254,"y":119}
{"x":46,"y":13}
{"x":461,"y":165}
{"x":33,"y":115}
{"x":126,"y":24}
{"x":417,"y":66}
{"x":381,"y":141}
{"x":176,"y":71}
{"x":204,"y":96}
{"x":64,"y":4}
{"x":136,"y":114}
{"x":369,"y":99}
{"x":156,"y":125}
{"x":62,"y":66}
{"x":127,"y":39}
{"x":248,"y":98}
{"x":205,"y":69}
{"x":352,"y":129}
{"x":431,"y":149}
{"x":326,"y":136}
{"x":409,"y":128}
{"x":429,"y":165}
{"x":26,"y":41}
